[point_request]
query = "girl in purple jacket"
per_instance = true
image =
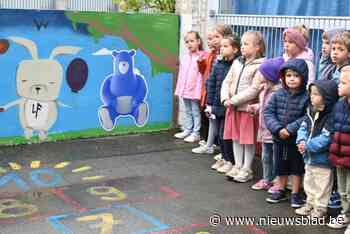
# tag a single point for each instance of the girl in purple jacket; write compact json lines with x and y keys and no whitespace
{"x":269,"y":76}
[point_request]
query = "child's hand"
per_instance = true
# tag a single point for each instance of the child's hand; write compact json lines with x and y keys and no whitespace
{"x":301,"y":147}
{"x":252,"y":109}
{"x":262,"y":86}
{"x":228,"y":103}
{"x":208,"y":111}
{"x":284,"y":134}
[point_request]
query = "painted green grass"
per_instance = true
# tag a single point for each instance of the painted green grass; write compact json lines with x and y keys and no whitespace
{"x":88,"y":133}
{"x":156,"y":35}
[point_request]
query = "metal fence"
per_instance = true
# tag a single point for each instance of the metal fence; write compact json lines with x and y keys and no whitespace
{"x":73,"y":5}
{"x":27,"y":4}
{"x":272,"y":27}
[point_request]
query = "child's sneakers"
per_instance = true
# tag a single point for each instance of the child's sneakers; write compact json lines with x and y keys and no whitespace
{"x":296,"y":201}
{"x":225,"y":168}
{"x":218,"y":157}
{"x":318,"y":213}
{"x":192,"y":138}
{"x":262,"y":185}
{"x":304,"y":211}
{"x":218,"y":164}
{"x":340,"y":221}
{"x":275,"y":188}
{"x":202,"y":143}
{"x":233,"y":172}
{"x":334,"y":201}
{"x":181,"y":135}
{"x":244,"y":175}
{"x":277,"y":197}
{"x":203,"y":149}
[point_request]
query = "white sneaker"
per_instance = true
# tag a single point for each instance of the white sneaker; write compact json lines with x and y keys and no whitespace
{"x":340,"y":221}
{"x":202,"y":142}
{"x":304,"y":211}
{"x":203,"y":150}
{"x":233,"y":172}
{"x":181,"y":135}
{"x":218,"y":164}
{"x":244,"y":175}
{"x":192,"y":138}
{"x":218,"y":157}
{"x":225,"y":168}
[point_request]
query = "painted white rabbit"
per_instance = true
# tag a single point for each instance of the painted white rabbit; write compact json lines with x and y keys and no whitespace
{"x":38,"y":84}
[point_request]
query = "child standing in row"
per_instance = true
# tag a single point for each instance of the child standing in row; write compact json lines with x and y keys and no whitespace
{"x":188,"y":87}
{"x":340,"y":53}
{"x":283,"y":116}
{"x":313,"y":140}
{"x":269,"y":76}
{"x":326,"y":67}
{"x":205,"y":64}
{"x":339,"y":150}
{"x":295,"y":46}
{"x":240,"y":126}
{"x":326,"y":70}
{"x":230,"y":50}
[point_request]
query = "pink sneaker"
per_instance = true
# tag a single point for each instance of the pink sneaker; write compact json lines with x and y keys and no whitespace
{"x":262,"y":185}
{"x":275,"y":188}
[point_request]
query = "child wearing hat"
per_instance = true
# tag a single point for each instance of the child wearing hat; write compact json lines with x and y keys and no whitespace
{"x":269,"y":82}
{"x":295,"y":47}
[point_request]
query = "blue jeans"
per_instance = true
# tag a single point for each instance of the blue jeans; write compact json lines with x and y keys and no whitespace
{"x":192,"y":120}
{"x":268,"y":162}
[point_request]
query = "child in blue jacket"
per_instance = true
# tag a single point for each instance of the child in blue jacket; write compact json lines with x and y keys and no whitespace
{"x":283,"y":116}
{"x":313,"y":140}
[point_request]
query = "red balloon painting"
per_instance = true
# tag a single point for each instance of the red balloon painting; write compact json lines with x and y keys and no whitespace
{"x":77,"y":74}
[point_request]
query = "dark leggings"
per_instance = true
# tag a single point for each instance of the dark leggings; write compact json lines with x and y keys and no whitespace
{"x":204,"y":126}
{"x":226,"y":146}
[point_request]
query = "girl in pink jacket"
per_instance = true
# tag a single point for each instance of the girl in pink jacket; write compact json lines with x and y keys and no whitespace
{"x":189,"y":87}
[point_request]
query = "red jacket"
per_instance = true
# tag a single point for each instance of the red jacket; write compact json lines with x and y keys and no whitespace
{"x":204,"y":67}
{"x":340,"y":150}
{"x":340,"y":147}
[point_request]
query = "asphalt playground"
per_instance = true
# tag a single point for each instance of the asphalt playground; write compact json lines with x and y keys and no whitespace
{"x":132,"y":184}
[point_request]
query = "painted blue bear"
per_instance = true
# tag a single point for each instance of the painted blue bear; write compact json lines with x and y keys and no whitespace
{"x":123,"y":93}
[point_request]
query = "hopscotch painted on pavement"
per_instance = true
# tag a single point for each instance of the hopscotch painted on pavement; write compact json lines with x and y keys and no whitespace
{"x":37,"y":175}
{"x":117,"y":216}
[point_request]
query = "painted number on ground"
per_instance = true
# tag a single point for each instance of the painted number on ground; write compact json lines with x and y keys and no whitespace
{"x":106,"y":224}
{"x":11,"y":208}
{"x":107,"y":193}
{"x":36,"y":177}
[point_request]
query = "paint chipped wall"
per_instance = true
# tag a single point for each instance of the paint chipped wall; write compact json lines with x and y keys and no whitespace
{"x":72,"y":75}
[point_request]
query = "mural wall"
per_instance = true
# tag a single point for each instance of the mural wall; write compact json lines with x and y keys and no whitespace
{"x":70,"y":75}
